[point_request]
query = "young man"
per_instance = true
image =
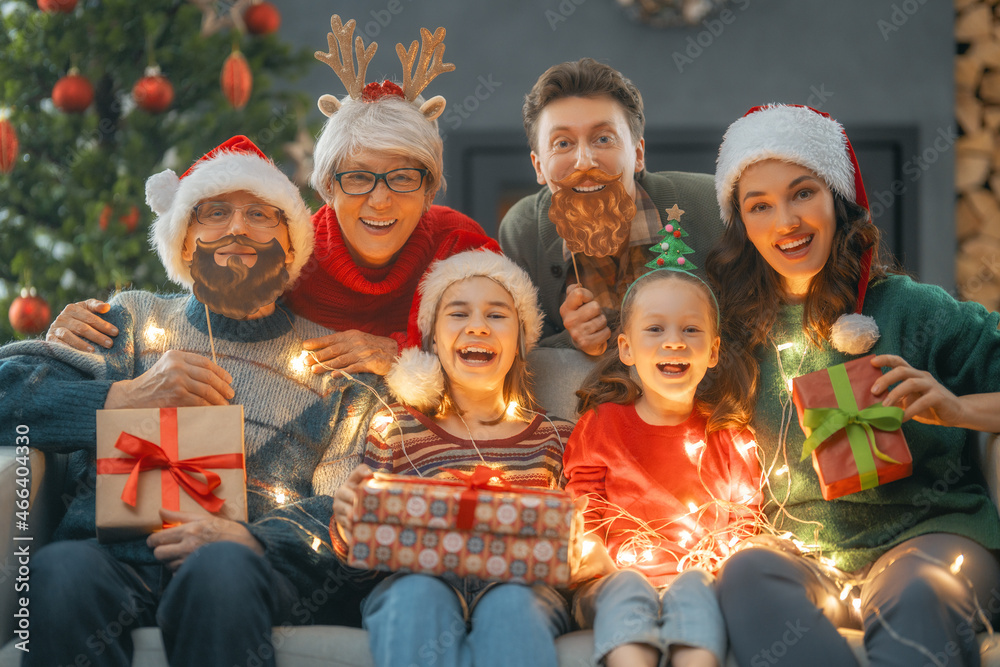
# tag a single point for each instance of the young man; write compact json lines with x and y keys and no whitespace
{"x":585,"y":122}
{"x":235,"y":231}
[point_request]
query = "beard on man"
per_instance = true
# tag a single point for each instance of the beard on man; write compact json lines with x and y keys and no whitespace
{"x":236,"y":290}
{"x":593,"y":223}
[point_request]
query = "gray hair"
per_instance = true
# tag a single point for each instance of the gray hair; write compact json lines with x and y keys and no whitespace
{"x":391,"y":125}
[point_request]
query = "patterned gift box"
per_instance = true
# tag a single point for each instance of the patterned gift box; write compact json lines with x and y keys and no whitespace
{"x":479,"y":526}
{"x":855,"y":442}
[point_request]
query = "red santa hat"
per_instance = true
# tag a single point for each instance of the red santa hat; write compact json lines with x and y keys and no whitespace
{"x":416,"y":377}
{"x":234,"y":165}
{"x":810,"y":138}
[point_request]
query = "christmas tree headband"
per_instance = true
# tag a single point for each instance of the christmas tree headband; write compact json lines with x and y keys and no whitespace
{"x":685,"y":272}
{"x":430,"y":64}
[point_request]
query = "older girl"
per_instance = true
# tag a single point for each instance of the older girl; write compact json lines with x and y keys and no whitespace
{"x":466,"y":402}
{"x":803,"y":285}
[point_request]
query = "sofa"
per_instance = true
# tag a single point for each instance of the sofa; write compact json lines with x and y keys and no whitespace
{"x":557,"y":374}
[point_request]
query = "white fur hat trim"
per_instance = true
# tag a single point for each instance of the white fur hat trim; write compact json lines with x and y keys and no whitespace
{"x":792,"y":134}
{"x":854,"y":333}
{"x":173,"y":199}
{"x":416,"y":377}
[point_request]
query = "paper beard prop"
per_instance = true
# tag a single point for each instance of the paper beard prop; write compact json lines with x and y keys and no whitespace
{"x":236,"y":290}
{"x":593,"y":223}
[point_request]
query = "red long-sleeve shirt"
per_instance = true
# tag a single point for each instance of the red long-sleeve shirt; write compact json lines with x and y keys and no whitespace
{"x":670,"y":478}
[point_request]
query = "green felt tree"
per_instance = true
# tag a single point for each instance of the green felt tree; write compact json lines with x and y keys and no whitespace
{"x":671,"y":248}
{"x":73,"y":218}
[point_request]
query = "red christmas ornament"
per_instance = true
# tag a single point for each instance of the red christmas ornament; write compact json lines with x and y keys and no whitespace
{"x":131,"y":220}
{"x":677,"y":234}
{"x":51,"y":6}
{"x":262,"y":18}
{"x":659,"y":261}
{"x":73,"y":93}
{"x":237,"y":80}
{"x":153,"y":92}
{"x":29,"y":313}
{"x":8,"y":146}
{"x":104,"y":218}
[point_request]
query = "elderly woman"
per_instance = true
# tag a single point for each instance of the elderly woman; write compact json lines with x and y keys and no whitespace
{"x":378,"y":167}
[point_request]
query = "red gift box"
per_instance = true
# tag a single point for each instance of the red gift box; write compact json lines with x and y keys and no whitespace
{"x":480,"y":526}
{"x":183,"y":459}
{"x":855,"y":442}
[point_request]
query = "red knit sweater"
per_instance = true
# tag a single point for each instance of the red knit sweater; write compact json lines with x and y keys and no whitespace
{"x":342,"y":295}
{"x":657,"y":474}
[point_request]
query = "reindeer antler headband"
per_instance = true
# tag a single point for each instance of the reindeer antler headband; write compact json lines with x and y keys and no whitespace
{"x":430,"y":64}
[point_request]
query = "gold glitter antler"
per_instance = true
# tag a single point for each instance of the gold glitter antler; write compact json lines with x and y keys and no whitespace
{"x":342,"y":63}
{"x":430,"y":65}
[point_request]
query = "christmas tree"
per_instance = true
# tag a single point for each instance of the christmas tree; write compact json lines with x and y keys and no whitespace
{"x":73,"y":218}
{"x":671,"y":249}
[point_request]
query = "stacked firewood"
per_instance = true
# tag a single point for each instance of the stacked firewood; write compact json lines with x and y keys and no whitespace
{"x":977,"y":151}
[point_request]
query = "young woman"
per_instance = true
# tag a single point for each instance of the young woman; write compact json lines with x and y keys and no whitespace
{"x":466,"y":403}
{"x":803,"y":285}
{"x":667,"y":483}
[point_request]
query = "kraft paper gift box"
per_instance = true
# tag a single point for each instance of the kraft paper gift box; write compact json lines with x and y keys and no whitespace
{"x":474,"y":527}
{"x":187,"y":459}
{"x":855,"y":442}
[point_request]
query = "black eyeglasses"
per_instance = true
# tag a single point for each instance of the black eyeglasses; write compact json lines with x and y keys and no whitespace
{"x":362,"y":182}
{"x":219,"y":213}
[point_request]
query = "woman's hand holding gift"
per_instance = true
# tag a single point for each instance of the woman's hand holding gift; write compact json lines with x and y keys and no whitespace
{"x":344,"y":498}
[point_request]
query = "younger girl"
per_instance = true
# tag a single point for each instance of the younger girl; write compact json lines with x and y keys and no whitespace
{"x":668,"y":483}
{"x":466,"y":402}
{"x":800,"y":256}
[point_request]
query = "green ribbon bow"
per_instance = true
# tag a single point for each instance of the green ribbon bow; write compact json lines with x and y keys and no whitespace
{"x":820,"y":424}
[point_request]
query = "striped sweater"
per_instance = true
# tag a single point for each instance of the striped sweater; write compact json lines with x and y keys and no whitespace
{"x":533,"y":457}
{"x":303,"y":432}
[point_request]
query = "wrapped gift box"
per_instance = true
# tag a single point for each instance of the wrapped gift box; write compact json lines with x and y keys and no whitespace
{"x":519,"y":534}
{"x":856,"y":444}
{"x":186,"y":459}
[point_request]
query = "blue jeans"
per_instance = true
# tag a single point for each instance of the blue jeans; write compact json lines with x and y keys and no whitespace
{"x":624,"y":608}
{"x":418,"y":620}
{"x":217,"y":609}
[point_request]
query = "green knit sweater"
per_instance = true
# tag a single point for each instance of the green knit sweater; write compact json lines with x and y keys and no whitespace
{"x":958,"y":343}
{"x":304,"y":433}
{"x":530,"y":239}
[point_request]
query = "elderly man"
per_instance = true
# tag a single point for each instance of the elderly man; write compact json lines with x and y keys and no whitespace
{"x":235,"y":231}
{"x":584,"y":122}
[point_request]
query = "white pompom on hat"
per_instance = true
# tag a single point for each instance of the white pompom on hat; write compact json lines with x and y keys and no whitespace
{"x":234,"y":165}
{"x":416,"y":378}
{"x":810,"y":138}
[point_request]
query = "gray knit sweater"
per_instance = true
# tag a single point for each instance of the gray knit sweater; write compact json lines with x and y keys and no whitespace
{"x":530,"y":239}
{"x":304,"y":433}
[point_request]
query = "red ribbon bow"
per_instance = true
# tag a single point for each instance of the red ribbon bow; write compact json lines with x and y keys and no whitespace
{"x":376,"y":91}
{"x":480,"y":478}
{"x":176,"y":472}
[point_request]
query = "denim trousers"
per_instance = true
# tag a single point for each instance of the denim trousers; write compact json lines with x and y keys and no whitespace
{"x":216,"y":610}
{"x":419,"y":620}
{"x":624,"y":608}
{"x":784,"y":609}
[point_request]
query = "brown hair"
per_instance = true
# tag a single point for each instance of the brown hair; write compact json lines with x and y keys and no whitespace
{"x":611,"y":381}
{"x":750,"y":291}
{"x":583,"y":78}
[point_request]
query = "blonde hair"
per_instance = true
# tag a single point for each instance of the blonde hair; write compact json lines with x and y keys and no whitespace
{"x":390,"y":125}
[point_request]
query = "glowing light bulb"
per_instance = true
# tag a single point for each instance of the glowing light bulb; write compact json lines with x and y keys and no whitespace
{"x":647,"y":555}
{"x":154,"y":334}
{"x":747,"y":447}
{"x":626,"y":558}
{"x":685,"y":538}
{"x":732,"y":542}
{"x":692,"y":506}
{"x":957,"y":565}
{"x":847,"y":591}
{"x":781,"y":471}
{"x":512,"y":409}
{"x":856,"y":603}
{"x":381,"y":421}
{"x":279,"y":496}
{"x":315,"y":544}
{"x":692,"y":448}
{"x":588,"y":546}
{"x":788,"y":383}
{"x":299,"y":364}
{"x":785,"y":346}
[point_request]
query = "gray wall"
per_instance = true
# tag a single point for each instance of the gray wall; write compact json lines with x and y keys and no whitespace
{"x":868,"y":63}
